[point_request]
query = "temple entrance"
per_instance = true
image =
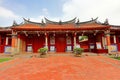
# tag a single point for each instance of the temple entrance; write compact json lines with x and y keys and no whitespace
{"x":83,"y":42}
{"x":60,"y":43}
{"x":33,"y":42}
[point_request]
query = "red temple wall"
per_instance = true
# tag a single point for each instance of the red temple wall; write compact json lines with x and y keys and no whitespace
{"x":2,"y":42}
{"x":118,"y":42}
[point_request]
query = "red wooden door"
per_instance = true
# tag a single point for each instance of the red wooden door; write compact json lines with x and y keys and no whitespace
{"x":118,"y":46}
{"x":35,"y":41}
{"x":60,"y":43}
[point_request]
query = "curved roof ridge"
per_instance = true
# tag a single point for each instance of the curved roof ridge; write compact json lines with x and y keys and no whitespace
{"x":90,"y":21}
{"x":32,"y":22}
{"x":115,"y":25}
{"x":59,"y":22}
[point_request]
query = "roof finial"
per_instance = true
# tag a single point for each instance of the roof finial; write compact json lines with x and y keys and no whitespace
{"x":78,"y":20}
{"x":14,"y":23}
{"x":92,"y":19}
{"x":25,"y":20}
{"x":28,"y":19}
{"x":42,"y":21}
{"x":106,"y":22}
{"x":60,"y":22}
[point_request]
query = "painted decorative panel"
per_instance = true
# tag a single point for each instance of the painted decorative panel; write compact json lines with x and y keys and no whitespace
{"x":52,"y":40}
{"x":68,"y":40}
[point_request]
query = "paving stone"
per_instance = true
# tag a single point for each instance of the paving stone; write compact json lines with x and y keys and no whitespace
{"x":61,"y":68}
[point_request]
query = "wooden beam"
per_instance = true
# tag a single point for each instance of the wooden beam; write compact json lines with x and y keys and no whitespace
{"x":25,"y":33}
{"x":38,"y":33}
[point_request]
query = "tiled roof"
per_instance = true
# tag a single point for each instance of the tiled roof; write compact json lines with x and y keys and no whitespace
{"x":5,"y":29}
{"x":51,"y":25}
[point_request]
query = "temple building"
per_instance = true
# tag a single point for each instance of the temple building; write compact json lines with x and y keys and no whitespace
{"x":60,"y":36}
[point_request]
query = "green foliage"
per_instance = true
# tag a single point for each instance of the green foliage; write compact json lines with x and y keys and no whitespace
{"x":43,"y":50}
{"x":78,"y":50}
{"x":118,"y":58}
{"x":83,"y":38}
{"x":4,"y":59}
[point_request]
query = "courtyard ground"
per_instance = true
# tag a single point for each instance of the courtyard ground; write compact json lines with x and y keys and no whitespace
{"x":67,"y":67}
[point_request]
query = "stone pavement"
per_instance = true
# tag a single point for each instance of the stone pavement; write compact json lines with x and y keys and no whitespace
{"x":61,"y":68}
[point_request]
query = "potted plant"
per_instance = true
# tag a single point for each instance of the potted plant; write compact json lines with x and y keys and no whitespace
{"x":43,"y":52}
{"x":78,"y":51}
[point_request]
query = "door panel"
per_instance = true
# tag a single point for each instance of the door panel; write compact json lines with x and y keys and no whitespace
{"x":60,"y":43}
{"x":35,"y":41}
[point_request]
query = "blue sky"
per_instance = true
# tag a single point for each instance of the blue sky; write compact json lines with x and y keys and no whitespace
{"x":33,"y":8}
{"x":59,"y":10}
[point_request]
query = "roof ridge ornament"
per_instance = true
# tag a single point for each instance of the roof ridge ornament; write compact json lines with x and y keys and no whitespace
{"x":26,"y":20}
{"x":106,"y":21}
{"x":78,"y":21}
{"x":14,"y":23}
{"x":60,"y":22}
{"x":42,"y":21}
{"x":94,"y":19}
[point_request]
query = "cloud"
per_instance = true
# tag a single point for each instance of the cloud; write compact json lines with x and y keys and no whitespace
{"x":45,"y":14}
{"x":6,"y":13}
{"x":41,"y":17}
{"x":1,"y":1}
{"x":86,"y":9}
{"x":7,"y":16}
{"x":37,"y":19}
{"x":83,"y":9}
{"x":45,"y":11}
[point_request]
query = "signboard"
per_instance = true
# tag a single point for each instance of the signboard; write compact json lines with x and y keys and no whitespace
{"x":7,"y":49}
{"x":113,"y":48}
{"x":77,"y":46}
{"x":69,"y":48}
{"x":52,"y":48}
{"x":29,"y":48}
{"x":92,"y":46}
{"x":98,"y":45}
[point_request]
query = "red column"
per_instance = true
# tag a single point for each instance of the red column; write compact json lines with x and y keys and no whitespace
{"x":14,"y":42}
{"x":18,"y":42}
{"x":46,"y":40}
{"x":0,"y":44}
{"x":74,"y":40}
{"x":108,"y":40}
{"x":6,"y":43}
{"x":114,"y":38}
